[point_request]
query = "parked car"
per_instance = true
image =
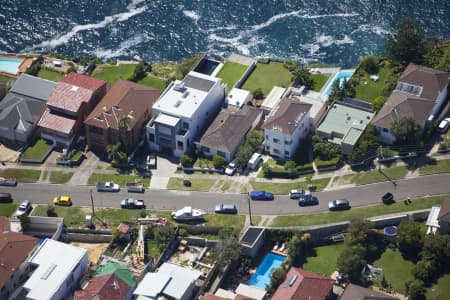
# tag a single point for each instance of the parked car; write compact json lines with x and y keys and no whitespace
{"x":187,"y":214}
{"x":339,"y":204}
{"x":230,"y":169}
{"x":62,"y":200}
{"x":151,"y":161}
{"x":444,"y":125}
{"x":132,"y":203}
{"x":108,"y":187}
{"x":135,"y":187}
{"x":260,"y":195}
{"x":5,"y":198}
{"x":24,"y":208}
{"x":388,"y":198}
{"x":225,"y":209}
{"x":307,"y":199}
{"x":295,"y":194}
{"x":7,"y":182}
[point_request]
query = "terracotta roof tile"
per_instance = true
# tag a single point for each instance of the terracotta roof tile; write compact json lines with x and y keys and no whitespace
{"x":286,"y":115}
{"x":107,"y":287}
{"x":14,"y":250}
{"x":56,"y":122}
{"x":83,"y":81}
{"x":307,"y":286}
{"x":124,"y":98}
{"x":69,"y":97}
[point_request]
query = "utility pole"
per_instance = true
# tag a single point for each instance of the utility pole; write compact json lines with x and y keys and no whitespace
{"x":249,"y":210}
{"x":92,"y":204}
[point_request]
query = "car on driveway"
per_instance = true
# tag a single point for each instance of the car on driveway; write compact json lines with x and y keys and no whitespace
{"x":260,"y":195}
{"x":62,"y":200}
{"x":339,"y":204}
{"x":444,"y":125}
{"x":225,"y":209}
{"x":230,"y":169}
{"x":24,"y":208}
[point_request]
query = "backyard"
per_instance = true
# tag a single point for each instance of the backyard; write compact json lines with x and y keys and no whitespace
{"x":37,"y":150}
{"x":360,"y":212}
{"x":319,"y":81}
{"x":50,"y":75}
{"x":154,"y":82}
{"x":266,"y":76}
{"x":324,"y":262}
{"x":441,"y":289}
{"x":231,"y":72}
{"x":112,"y":73}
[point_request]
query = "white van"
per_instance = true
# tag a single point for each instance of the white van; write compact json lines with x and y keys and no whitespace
{"x":254,"y":161}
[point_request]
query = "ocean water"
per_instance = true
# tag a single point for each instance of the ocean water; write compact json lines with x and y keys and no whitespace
{"x":339,"y":32}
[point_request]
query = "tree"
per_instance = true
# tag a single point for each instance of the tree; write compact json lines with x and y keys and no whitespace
{"x":303,"y":77}
{"x":229,"y":249}
{"x":410,"y":240}
{"x":406,"y":130}
{"x":51,"y":211}
{"x":415,"y":289}
{"x":71,"y":69}
{"x":163,"y":235}
{"x":324,"y":149}
{"x":275,"y":279}
{"x":378,"y":103}
{"x":289,"y":166}
{"x":218,"y":161}
{"x":125,"y":135}
{"x":367,"y":146}
{"x":341,"y":89}
{"x":35,"y":66}
{"x":113,"y":151}
{"x":245,"y":151}
{"x":351,"y":262}
{"x":258,"y":94}
{"x":118,"y":237}
{"x":370,"y":64}
{"x":407,"y":44}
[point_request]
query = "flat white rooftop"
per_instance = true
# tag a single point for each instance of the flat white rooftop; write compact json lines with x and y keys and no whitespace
{"x":273,"y":98}
{"x":55,"y":261}
{"x":183,"y":98}
{"x":167,"y":120}
{"x":237,"y":97}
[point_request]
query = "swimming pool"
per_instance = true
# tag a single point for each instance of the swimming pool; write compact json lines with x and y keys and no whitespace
{"x":10,"y":65}
{"x":270,"y":263}
{"x":347,"y":74}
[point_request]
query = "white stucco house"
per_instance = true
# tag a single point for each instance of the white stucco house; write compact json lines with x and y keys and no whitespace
{"x":183,"y":111}
{"x":285,"y":126}
{"x":420,"y":93}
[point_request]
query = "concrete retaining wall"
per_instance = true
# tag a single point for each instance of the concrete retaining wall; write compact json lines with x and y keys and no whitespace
{"x":199,"y":242}
{"x":47,"y":223}
{"x":87,"y":238}
{"x":39,"y":160}
{"x":244,"y":77}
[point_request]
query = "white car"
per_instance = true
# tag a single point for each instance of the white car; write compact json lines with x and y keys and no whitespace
{"x":24,"y":208}
{"x":231,"y":169}
{"x":444,"y":125}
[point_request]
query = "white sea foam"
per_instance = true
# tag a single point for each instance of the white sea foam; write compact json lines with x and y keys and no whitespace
{"x":191,"y":14}
{"x":123,"y":49}
{"x":120,"y":17}
{"x":372,"y":29}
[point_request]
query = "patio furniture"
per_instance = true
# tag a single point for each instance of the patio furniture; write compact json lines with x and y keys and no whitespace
{"x":183,"y":246}
{"x":276,"y":246}
{"x":283,"y":246}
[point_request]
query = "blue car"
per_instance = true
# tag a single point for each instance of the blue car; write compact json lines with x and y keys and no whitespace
{"x":260,"y":195}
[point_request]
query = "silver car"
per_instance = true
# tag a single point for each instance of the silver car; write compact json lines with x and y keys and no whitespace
{"x":24,"y":208}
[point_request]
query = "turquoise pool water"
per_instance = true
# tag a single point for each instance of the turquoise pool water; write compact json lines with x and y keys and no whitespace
{"x":10,"y":65}
{"x":270,"y":263}
{"x":347,"y":74}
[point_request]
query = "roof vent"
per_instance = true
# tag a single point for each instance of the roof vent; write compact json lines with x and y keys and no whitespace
{"x":293,"y":279}
{"x":74,"y":89}
{"x":178,"y":103}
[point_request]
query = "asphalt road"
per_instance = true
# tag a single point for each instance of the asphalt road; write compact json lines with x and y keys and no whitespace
{"x":282,"y":205}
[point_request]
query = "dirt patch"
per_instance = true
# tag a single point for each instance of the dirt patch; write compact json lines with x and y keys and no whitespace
{"x":95,"y":250}
{"x":8,"y":155}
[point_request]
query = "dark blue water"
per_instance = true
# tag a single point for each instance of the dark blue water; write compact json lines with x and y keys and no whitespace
{"x":310,"y":30}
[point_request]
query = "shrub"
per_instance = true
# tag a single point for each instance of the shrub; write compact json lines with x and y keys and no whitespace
{"x":186,"y":161}
{"x":51,"y":211}
{"x":258,"y":94}
{"x":369,"y":64}
{"x":378,"y":103}
{"x":218,"y":161}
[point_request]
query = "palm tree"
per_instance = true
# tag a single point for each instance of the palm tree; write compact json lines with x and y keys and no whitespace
{"x":303,"y":77}
{"x":113,"y":151}
{"x":123,"y":131}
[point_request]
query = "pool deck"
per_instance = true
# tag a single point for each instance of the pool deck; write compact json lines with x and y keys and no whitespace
{"x":26,"y":63}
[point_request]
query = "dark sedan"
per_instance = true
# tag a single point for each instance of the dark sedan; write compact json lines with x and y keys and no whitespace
{"x":225,"y":209}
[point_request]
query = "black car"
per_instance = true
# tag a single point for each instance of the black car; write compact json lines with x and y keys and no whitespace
{"x":225,"y":209}
{"x":339,"y":204}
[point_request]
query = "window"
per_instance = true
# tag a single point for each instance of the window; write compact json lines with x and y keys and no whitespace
{"x":185,"y":125}
{"x":276,"y":150}
{"x":287,"y":142}
{"x":385,"y":130}
{"x":96,"y":130}
{"x":286,"y":153}
{"x":267,"y":148}
{"x":220,"y":153}
{"x":267,"y":136}
{"x":205,"y":149}
{"x":275,"y":140}
{"x":180,"y":145}
{"x":151,"y":137}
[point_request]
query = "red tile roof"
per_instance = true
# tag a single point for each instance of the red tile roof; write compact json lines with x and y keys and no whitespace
{"x":124,"y":98}
{"x":4,"y":223}
{"x":56,"y":122}
{"x":69,"y":97}
{"x":306,"y":286}
{"x":107,"y":287}
{"x":14,"y":250}
{"x":83,"y":81}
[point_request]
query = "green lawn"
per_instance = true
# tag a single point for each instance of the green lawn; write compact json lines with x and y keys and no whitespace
{"x":266,"y":76}
{"x":367,"y":89}
{"x":113,"y":73}
{"x":7,"y":209}
{"x":440,"y":290}
{"x":153,"y":249}
{"x":50,"y":75}
{"x":319,"y":81}
{"x":196,"y":184}
{"x":60,"y":177}
{"x":396,"y":269}
{"x":5,"y":79}
{"x":226,"y":185}
{"x":231,"y":72}
{"x":37,"y":150}
{"x":22,"y":175}
{"x":284,"y":188}
{"x":439,"y":166}
{"x":393,"y":173}
{"x":222,"y":220}
{"x":362,"y":212}
{"x":120,"y":179}
{"x":154,"y":82}
{"x":324,"y":262}
{"x":164,"y":69}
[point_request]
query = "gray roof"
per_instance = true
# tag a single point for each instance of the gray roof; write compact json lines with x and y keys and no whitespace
{"x":20,"y":112}
{"x":198,"y":83}
{"x":228,"y":130}
{"x":34,"y":87}
{"x":356,"y":292}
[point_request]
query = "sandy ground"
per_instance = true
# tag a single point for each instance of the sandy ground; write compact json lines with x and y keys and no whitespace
{"x":95,"y":250}
{"x":8,"y":155}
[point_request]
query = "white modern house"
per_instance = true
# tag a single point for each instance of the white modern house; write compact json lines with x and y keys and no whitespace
{"x":58,"y":268}
{"x":170,"y":281}
{"x":285,"y":126}
{"x":183,"y":111}
{"x":420,"y":93}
